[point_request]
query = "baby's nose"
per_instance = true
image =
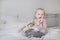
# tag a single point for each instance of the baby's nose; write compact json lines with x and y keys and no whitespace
{"x":39,"y":17}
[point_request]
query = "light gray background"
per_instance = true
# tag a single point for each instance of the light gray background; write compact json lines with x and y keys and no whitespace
{"x":26,"y":8}
{"x":23,"y":10}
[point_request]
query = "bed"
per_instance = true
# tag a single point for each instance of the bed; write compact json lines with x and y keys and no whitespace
{"x":9,"y":30}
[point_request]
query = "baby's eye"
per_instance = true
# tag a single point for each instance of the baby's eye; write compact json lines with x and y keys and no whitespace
{"x":42,"y":14}
{"x":38,"y":14}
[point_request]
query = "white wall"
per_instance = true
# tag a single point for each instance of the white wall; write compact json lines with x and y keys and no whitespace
{"x":52,"y":6}
{"x":26,"y":8}
{"x":0,"y":7}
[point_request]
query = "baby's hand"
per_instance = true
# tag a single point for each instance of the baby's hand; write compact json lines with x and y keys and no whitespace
{"x":41,"y":20}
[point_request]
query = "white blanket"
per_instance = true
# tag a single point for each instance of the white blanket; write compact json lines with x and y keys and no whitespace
{"x":10,"y":32}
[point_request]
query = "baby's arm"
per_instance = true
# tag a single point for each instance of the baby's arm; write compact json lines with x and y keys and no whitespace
{"x":45,"y":26}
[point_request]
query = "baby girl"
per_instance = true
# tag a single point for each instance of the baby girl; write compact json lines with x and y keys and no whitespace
{"x":38,"y":26}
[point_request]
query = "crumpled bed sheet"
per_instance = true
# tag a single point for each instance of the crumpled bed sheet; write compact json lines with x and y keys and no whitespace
{"x":10,"y":32}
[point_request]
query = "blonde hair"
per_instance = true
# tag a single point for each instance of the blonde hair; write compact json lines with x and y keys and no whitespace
{"x":40,"y":9}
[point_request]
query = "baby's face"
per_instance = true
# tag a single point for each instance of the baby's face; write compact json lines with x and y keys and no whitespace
{"x":39,"y":14}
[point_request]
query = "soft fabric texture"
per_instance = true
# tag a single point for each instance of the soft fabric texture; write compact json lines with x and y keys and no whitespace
{"x":36,"y":34}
